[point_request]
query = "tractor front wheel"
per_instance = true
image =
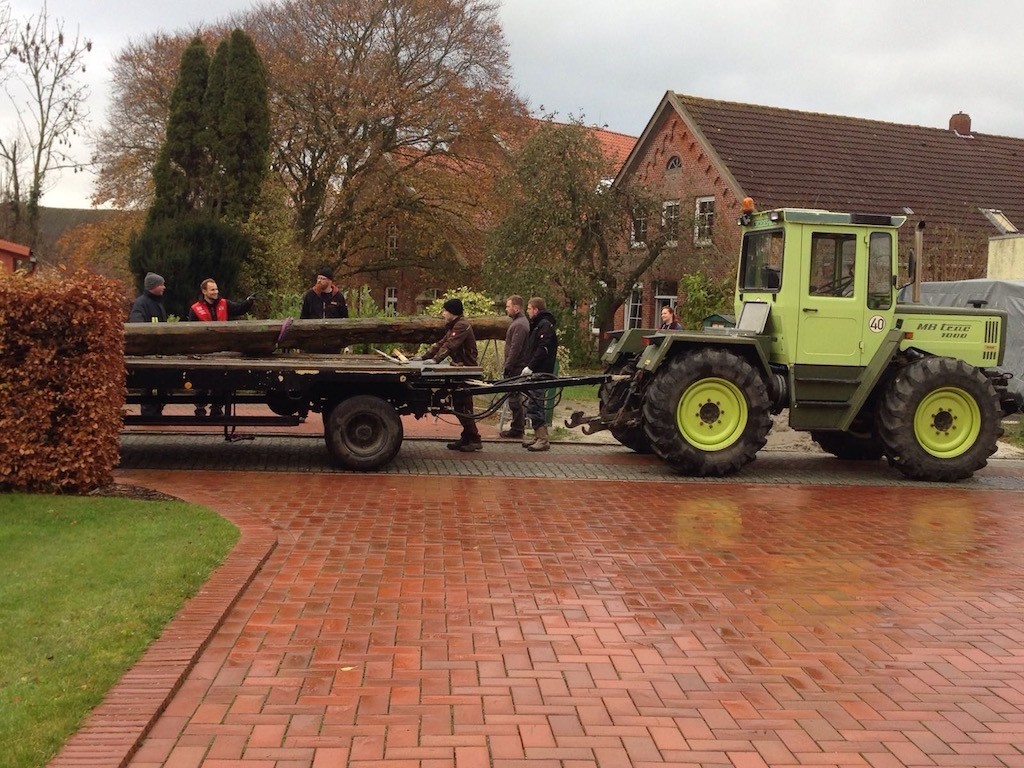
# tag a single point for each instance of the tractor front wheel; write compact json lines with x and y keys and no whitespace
{"x":939,"y":420}
{"x":707,"y":412}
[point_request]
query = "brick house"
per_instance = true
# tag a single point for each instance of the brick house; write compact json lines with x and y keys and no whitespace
{"x":703,"y":156}
{"x":14,"y":257}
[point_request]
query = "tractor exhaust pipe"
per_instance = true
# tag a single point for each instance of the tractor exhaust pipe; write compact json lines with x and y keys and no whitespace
{"x":918,"y":265}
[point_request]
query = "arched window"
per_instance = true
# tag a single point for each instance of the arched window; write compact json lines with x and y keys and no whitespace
{"x":674,"y":163}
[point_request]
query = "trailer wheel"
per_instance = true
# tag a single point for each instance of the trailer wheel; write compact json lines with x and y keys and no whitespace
{"x":611,"y":397}
{"x":851,"y":446}
{"x":363,"y":433}
{"x":939,"y":419}
{"x":707,"y":412}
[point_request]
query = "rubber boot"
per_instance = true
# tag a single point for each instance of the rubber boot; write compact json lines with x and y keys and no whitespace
{"x":541,"y":443}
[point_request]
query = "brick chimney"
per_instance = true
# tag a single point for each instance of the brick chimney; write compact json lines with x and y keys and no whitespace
{"x":960,"y":123}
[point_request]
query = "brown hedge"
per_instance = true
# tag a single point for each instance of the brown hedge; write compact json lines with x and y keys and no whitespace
{"x":62,"y":381}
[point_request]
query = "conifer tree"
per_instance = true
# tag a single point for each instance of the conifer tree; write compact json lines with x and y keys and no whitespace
{"x":213,"y":105}
{"x":180,"y":170}
{"x":244,"y":127}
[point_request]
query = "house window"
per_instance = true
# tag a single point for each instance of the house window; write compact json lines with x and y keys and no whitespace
{"x":703,"y":220}
{"x":391,"y":300}
{"x":665,"y":294}
{"x":674,"y":163}
{"x":638,"y":234}
{"x":999,"y":220}
{"x":391,"y":246}
{"x":670,"y":221}
{"x":635,"y":308}
{"x":428,"y":297}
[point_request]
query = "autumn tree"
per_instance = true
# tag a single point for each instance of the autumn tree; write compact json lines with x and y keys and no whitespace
{"x":48,"y":100}
{"x":101,"y":246}
{"x":566,"y":232}
{"x":126,"y":148}
{"x":374,"y":100}
{"x":385,"y":115}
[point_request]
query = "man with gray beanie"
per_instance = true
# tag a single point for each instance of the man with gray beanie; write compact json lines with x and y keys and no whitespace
{"x":149,"y":307}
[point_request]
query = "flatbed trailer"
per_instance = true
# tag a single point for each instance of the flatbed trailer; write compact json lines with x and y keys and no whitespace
{"x":361,"y":397}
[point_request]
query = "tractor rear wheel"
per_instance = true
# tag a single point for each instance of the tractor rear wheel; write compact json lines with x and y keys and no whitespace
{"x":612,"y":398}
{"x":939,"y":419}
{"x":707,"y":412}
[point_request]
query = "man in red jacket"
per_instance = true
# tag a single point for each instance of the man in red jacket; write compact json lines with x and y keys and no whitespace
{"x":214,"y":307}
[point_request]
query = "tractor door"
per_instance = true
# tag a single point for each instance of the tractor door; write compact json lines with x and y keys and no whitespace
{"x":847,"y":296}
{"x":830,"y":317}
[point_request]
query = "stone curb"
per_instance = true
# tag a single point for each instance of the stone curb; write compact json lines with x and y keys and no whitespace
{"x":115,"y":729}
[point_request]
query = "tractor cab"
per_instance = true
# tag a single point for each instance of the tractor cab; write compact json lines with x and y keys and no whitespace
{"x":829,"y":279}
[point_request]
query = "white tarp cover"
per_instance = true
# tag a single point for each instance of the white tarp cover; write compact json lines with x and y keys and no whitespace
{"x":1007,"y":295}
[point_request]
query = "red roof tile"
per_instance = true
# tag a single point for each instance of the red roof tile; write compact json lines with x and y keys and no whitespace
{"x":616,"y":146}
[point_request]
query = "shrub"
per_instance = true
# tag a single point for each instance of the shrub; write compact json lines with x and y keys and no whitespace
{"x":62,"y":381}
{"x":703,"y":297}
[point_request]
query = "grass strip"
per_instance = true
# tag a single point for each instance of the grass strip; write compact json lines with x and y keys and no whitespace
{"x":86,"y":584}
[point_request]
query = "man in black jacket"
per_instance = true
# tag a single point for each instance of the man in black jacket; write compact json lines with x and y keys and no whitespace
{"x":543,"y":351}
{"x":324,"y":300}
{"x":149,"y":308}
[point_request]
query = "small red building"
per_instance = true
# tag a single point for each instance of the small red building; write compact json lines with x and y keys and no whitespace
{"x":14,"y":257}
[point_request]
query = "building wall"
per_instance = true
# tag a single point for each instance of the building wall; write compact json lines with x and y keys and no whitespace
{"x":697,"y":176}
{"x":1006,"y":258}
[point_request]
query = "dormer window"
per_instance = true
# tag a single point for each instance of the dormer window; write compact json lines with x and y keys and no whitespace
{"x":674,"y":163}
{"x":999,"y":220}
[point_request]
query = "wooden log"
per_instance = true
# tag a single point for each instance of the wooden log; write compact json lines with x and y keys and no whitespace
{"x":259,"y":338}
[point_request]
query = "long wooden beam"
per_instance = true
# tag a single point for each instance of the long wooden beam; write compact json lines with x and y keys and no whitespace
{"x":264,"y":337}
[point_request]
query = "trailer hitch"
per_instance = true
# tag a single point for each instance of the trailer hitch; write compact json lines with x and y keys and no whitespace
{"x":590,"y":424}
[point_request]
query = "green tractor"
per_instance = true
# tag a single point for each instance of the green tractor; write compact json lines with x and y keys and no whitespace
{"x":819,"y":332}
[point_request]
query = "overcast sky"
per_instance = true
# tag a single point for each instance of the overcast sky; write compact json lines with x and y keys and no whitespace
{"x":902,"y":61}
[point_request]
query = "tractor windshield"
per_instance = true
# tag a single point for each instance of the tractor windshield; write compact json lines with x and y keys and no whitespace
{"x":761,"y":266}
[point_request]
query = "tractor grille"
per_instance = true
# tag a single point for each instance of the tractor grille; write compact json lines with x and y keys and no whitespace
{"x":992,"y":332}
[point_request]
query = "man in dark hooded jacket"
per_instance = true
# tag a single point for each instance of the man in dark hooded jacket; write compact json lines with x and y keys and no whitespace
{"x":459,"y":344}
{"x":543,"y":351}
{"x":149,"y":307}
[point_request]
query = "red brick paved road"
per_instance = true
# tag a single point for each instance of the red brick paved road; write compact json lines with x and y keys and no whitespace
{"x":437,"y":621}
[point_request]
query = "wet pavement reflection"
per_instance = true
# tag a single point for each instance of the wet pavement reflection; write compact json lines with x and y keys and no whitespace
{"x":437,"y":621}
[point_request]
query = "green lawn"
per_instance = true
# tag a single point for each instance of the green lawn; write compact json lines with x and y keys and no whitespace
{"x":85,"y":585}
